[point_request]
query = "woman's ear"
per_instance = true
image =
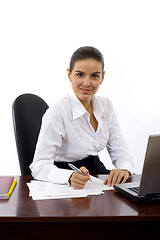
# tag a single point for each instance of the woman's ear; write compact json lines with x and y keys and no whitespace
{"x":69,"y":74}
{"x":103,"y":76}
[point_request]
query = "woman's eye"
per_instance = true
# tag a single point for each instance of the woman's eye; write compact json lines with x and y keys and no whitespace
{"x":80,"y":74}
{"x":95,"y":76}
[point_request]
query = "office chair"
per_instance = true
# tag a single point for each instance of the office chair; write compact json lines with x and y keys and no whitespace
{"x":27,"y":112}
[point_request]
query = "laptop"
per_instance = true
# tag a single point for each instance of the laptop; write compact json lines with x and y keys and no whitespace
{"x":148,"y":188}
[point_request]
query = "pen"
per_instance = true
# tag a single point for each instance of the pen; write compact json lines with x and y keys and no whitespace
{"x":77,"y":170}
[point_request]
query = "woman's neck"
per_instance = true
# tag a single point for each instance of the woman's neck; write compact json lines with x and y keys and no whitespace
{"x":88,"y":106}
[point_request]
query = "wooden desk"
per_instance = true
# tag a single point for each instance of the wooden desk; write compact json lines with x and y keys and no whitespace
{"x":96,"y":217}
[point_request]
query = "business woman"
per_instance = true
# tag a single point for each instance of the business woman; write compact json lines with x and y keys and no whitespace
{"x":78,"y":126}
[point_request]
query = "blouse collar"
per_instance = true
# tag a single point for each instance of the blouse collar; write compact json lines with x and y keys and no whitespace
{"x":78,"y":109}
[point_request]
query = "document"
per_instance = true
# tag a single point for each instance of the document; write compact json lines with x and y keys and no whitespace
{"x":40,"y":190}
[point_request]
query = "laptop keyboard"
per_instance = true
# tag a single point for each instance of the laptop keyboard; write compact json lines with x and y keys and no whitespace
{"x":134,"y":189}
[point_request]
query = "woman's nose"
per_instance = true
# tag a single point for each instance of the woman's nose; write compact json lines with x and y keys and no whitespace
{"x":86,"y":81}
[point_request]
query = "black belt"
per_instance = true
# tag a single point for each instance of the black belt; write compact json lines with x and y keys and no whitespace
{"x":92,"y":163}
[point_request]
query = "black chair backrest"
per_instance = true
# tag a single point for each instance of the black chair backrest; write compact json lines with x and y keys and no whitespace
{"x":27,"y":112}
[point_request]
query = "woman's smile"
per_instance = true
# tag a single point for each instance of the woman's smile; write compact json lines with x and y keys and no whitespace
{"x":85,"y":91}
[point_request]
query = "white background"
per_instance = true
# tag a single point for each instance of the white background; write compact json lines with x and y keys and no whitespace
{"x":37,"y":39}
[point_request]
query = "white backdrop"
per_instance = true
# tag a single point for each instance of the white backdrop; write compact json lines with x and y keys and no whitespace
{"x":37,"y":39}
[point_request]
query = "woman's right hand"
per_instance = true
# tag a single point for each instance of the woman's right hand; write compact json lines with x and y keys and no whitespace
{"x":77,"y":180}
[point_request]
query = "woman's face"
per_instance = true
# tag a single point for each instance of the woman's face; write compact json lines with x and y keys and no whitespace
{"x":85,"y":78}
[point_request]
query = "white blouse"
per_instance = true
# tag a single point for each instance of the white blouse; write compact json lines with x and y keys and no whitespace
{"x":66,"y":135}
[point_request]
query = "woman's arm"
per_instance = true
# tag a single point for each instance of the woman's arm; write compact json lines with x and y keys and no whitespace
{"x":118,"y":151}
{"x":50,"y":139}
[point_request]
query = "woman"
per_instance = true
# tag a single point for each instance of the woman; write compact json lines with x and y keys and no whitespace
{"x":80,"y":125}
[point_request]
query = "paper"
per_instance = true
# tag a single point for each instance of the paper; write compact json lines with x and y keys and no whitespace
{"x":45,"y":190}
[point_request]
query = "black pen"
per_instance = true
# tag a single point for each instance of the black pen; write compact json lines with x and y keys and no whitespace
{"x":77,"y":170}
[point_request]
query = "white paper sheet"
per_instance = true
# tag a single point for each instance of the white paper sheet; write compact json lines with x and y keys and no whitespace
{"x":44,"y":190}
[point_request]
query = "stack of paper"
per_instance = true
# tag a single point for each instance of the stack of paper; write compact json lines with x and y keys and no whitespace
{"x":44,"y":190}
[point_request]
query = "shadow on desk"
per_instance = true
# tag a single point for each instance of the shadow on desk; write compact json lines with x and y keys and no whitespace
{"x":25,"y":205}
{"x":140,"y":208}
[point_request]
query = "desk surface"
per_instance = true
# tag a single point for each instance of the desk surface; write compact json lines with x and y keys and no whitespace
{"x":110,"y":206}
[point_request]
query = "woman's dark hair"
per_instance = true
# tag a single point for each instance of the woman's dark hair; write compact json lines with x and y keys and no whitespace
{"x":86,"y":53}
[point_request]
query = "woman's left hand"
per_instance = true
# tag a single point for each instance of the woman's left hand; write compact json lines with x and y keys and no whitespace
{"x":117,"y":176}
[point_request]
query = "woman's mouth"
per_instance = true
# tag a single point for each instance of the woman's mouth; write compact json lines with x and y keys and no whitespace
{"x":85,"y":91}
